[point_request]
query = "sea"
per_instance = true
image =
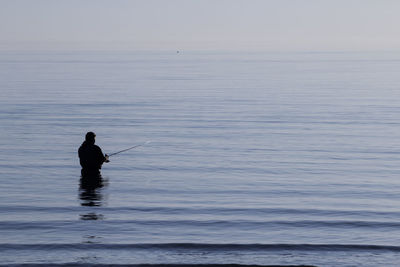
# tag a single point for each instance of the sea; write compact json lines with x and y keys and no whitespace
{"x":242,"y":158}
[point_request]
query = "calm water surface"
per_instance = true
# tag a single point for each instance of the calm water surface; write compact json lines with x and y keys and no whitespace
{"x":263,"y":158}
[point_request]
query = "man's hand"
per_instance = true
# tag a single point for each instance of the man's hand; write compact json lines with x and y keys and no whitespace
{"x":106,"y":160}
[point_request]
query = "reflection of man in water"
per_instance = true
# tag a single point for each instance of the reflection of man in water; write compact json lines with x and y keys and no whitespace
{"x":91,"y":157}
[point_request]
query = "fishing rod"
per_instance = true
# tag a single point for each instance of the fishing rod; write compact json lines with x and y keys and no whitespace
{"x":115,"y":153}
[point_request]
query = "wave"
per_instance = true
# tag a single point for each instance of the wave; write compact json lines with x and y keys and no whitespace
{"x":236,"y":224}
{"x":155,"y":265}
{"x":204,"y":247}
{"x":204,"y":210}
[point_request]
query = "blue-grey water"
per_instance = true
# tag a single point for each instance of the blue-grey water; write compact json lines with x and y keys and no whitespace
{"x":254,"y":158}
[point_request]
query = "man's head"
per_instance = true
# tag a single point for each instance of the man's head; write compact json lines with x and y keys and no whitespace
{"x":90,"y":137}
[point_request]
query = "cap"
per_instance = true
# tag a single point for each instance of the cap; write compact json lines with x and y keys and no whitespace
{"x":90,"y":135}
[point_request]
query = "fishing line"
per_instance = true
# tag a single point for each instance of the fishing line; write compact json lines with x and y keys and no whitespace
{"x":132,"y":147}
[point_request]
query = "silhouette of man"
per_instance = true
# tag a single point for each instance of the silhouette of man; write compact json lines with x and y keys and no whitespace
{"x":91,"y":157}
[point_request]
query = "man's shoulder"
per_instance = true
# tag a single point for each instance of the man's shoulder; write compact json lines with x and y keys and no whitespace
{"x":97,"y":148}
{"x":88,"y":147}
{"x":82,"y":147}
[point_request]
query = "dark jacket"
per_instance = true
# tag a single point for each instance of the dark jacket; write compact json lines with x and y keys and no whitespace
{"x":91,"y":157}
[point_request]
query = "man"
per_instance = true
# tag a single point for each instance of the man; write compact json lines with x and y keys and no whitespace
{"x":90,"y":156}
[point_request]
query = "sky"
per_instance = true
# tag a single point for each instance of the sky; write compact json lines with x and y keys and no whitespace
{"x":267,"y":25}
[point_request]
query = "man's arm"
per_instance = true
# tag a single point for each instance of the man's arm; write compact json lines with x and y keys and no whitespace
{"x":101,"y":157}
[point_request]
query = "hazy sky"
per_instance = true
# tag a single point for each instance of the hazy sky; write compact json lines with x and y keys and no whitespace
{"x":200,"y":24}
